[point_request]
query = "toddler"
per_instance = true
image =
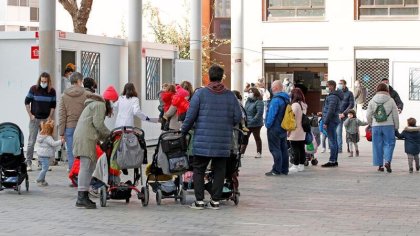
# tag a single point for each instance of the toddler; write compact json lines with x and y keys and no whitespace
{"x":352,"y":125}
{"x":411,"y":135}
{"x":46,"y":150}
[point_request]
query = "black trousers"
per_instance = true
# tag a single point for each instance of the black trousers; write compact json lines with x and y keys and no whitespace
{"x":200,"y":164}
{"x":298,"y":148}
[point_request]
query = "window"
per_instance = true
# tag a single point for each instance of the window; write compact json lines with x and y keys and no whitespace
{"x":23,"y":28}
{"x":13,"y":2}
{"x":34,"y":14}
{"x":222,"y":28}
{"x":222,"y":8}
{"x":284,"y":9}
{"x":91,"y":62}
{"x":23,"y":3}
{"x":414,"y":84}
{"x":388,"y":8}
{"x":152,"y":78}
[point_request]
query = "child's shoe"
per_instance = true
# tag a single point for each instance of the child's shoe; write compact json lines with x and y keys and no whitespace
{"x":42,"y":183}
{"x":351,"y":154}
{"x":410,"y":170}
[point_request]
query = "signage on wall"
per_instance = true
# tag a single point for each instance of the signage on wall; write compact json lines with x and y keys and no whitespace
{"x":34,"y":52}
{"x":61,"y":34}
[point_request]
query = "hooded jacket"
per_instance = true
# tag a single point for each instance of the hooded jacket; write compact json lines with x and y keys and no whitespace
{"x":47,"y":146}
{"x":390,"y":109}
{"x":411,"y":135}
{"x":90,"y":128}
{"x":394,"y":95}
{"x":331,"y":108}
{"x":275,"y":113}
{"x":254,"y":109}
{"x":70,"y":107}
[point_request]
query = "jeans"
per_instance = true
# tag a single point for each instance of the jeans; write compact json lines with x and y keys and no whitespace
{"x":200,"y":164}
{"x":87,"y":166}
{"x":255,"y":131}
{"x":332,"y":141}
{"x":383,"y":142}
{"x":340,"y":135}
{"x":298,"y":148}
{"x":278,"y":148}
{"x":33,"y":133}
{"x":45,"y":164}
{"x":68,"y":133}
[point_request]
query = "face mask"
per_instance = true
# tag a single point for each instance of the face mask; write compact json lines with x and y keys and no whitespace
{"x":44,"y":85}
{"x":340,"y":86}
{"x":251,"y":95}
{"x":328,"y":90}
{"x":286,"y":84}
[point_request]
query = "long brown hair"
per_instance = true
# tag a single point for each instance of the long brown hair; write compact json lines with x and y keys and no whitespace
{"x":129,"y":90}
{"x":256,"y":92}
{"x":45,"y":75}
{"x":187,"y":86}
{"x":108,"y":108}
{"x":297,"y":95}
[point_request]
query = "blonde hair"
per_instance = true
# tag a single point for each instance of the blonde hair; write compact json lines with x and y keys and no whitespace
{"x":47,"y":128}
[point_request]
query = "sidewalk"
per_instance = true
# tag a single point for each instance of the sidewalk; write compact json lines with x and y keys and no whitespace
{"x":353,"y":199}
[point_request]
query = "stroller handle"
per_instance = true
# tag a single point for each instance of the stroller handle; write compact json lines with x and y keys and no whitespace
{"x":125,"y":128}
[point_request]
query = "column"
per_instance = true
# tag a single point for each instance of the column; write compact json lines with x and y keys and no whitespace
{"x":195,"y":41}
{"x":47,"y":39}
{"x":237,"y":45}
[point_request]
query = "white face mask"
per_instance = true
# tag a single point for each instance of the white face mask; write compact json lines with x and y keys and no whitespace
{"x":44,"y":85}
{"x":251,"y":95}
{"x":328,"y":90}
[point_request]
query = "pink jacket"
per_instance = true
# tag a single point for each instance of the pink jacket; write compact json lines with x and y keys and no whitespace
{"x":298,"y":134}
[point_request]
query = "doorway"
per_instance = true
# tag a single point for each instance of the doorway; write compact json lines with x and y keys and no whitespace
{"x":66,"y":58}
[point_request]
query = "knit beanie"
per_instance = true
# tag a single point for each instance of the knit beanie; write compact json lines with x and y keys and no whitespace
{"x":110,"y":94}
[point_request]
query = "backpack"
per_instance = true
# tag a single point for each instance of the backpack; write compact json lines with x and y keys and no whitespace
{"x":289,"y":122}
{"x":380,"y":113}
{"x":129,"y":153}
{"x":306,"y":122}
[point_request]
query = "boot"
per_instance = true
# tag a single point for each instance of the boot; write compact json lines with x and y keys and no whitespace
{"x":84,"y":201}
{"x":351,"y":154}
{"x":357,"y":153}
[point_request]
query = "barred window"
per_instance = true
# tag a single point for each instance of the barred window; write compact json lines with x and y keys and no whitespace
{"x":90,"y":66}
{"x":152,"y":78}
{"x":283,"y":9}
{"x":34,"y":14}
{"x":388,"y":8}
{"x":13,"y":2}
{"x":414,"y":84}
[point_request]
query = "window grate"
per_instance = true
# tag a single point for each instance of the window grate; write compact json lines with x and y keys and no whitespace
{"x":278,"y":9}
{"x":152,"y":78}
{"x":91,"y":66}
{"x":414,"y":84}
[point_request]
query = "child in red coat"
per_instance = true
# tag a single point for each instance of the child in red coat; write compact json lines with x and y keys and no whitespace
{"x":180,"y":102}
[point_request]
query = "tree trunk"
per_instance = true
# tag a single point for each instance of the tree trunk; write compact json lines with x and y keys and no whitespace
{"x":80,"y":16}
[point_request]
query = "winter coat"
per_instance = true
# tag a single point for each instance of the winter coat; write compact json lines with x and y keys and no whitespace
{"x":352,"y":125}
{"x":47,"y":146}
{"x":331,"y":108}
{"x":126,"y":109}
{"x":360,"y":94}
{"x":71,"y":106}
{"x":179,"y":100}
{"x":347,"y":102}
{"x":396,"y":97}
{"x":390,"y":108}
{"x":90,"y":128}
{"x":275,"y":113}
{"x":172,"y":116}
{"x":214,"y":111}
{"x":254,"y":110}
{"x":298,"y":134}
{"x":411,"y":135}
{"x":167,"y":100}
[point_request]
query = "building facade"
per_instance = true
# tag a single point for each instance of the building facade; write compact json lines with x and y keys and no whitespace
{"x":19,"y":15}
{"x":311,"y":41}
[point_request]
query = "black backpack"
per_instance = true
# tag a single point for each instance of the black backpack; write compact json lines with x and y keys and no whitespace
{"x":306,"y":122}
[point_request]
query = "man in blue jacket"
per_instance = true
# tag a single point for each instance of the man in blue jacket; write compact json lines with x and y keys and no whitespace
{"x":330,"y":117}
{"x":346,"y":104}
{"x":277,"y":136}
{"x":214,"y":111}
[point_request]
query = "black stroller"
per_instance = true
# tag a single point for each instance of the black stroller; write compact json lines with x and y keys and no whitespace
{"x":115,"y":189}
{"x":12,"y":159}
{"x":170,"y":159}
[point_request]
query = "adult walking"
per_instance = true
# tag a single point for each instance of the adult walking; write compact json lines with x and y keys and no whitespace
{"x":40,"y":103}
{"x":394,"y":95}
{"x":71,"y":106}
{"x":382,"y":115}
{"x":277,"y":136}
{"x":254,"y":108}
{"x":297,"y":136}
{"x":360,"y":95}
{"x":347,"y":103}
{"x":89,"y":130}
{"x":128,"y":106}
{"x":331,"y":120}
{"x":214,"y":111}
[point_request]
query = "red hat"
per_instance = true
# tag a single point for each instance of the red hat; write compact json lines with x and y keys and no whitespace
{"x":110,"y":94}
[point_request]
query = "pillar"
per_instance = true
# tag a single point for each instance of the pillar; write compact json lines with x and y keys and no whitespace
{"x":237,"y":45}
{"x":47,"y":39}
{"x":195,"y":41}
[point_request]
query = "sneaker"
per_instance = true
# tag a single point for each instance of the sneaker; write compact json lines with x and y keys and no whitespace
{"x":258,"y":155}
{"x":215,"y":205}
{"x":29,"y":168}
{"x":271,"y":173}
{"x":410,"y":170}
{"x":330,"y":164}
{"x":49,"y":169}
{"x":301,"y":168}
{"x":42,"y":184}
{"x":381,"y":169}
{"x":294,"y":169}
{"x":388,"y":167}
{"x":323,"y":150}
{"x":198,"y":205}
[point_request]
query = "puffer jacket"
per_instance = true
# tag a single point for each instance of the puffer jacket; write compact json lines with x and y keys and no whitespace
{"x":331,"y":108}
{"x":396,"y":97}
{"x":214,"y":111}
{"x":390,"y":108}
{"x":90,"y":128}
{"x":254,"y":110}
{"x":411,"y":135}
{"x":347,"y":102}
{"x":47,"y":146}
{"x":71,"y":106}
{"x":275,"y":113}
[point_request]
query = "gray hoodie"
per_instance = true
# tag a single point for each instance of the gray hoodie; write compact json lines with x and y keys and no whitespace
{"x":390,"y":108}
{"x":46,"y":146}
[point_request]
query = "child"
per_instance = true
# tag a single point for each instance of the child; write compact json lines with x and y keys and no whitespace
{"x":46,"y":149}
{"x":160,"y":107}
{"x":411,"y":135}
{"x":352,"y":131}
{"x":166,"y":97}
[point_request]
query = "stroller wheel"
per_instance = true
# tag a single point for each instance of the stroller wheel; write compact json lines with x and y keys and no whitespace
{"x":314,"y":162}
{"x":144,"y":195}
{"x":102,"y":196}
{"x":158,"y":196}
{"x":236,"y":199}
{"x":27,"y":183}
{"x":306,"y":163}
{"x":183,"y":197}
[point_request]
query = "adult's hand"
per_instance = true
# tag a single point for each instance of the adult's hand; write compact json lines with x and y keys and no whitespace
{"x":341,"y":116}
{"x":32,"y":117}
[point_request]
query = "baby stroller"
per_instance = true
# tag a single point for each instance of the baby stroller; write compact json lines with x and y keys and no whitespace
{"x":124,"y":149}
{"x":12,"y":159}
{"x":170,"y":159}
{"x":231,"y":185}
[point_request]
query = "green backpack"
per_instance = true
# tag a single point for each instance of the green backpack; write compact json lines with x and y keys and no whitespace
{"x":380,"y":113}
